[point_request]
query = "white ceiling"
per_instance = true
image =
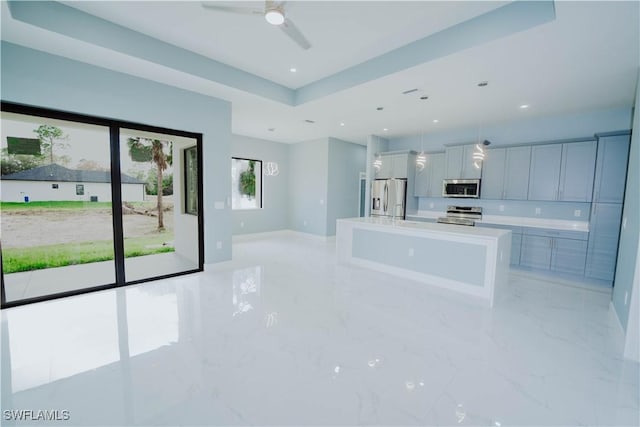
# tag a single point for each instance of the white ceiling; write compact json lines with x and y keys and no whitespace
{"x":587,"y":58}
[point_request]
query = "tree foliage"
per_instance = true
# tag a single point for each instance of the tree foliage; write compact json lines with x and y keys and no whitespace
{"x":248,"y":180}
{"x":51,"y":138}
{"x":12,"y":163}
{"x":153,"y":150}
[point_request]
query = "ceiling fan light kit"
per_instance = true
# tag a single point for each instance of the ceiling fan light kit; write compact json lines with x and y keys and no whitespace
{"x":274,"y":16}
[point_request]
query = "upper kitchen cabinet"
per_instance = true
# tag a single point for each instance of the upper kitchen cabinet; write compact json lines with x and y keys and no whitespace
{"x":505,"y":173}
{"x":576,"y":172}
{"x":459,"y":163}
{"x":544,"y":173}
{"x":562,"y":172}
{"x":395,"y":165}
{"x":428,"y":181}
{"x":611,"y":168}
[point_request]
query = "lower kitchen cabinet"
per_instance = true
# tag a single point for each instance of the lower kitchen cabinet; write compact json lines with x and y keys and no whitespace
{"x":603,"y":240}
{"x":536,"y":252}
{"x":568,"y":256}
{"x":561,"y":251}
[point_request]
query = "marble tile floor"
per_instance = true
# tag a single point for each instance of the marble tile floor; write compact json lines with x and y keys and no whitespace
{"x":282,"y":335}
{"x":35,"y":283}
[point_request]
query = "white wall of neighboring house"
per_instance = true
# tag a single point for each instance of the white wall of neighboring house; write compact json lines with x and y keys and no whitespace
{"x":15,"y":191}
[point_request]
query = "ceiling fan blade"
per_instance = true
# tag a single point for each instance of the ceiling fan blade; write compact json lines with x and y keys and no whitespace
{"x":295,"y":34}
{"x":232,"y":9}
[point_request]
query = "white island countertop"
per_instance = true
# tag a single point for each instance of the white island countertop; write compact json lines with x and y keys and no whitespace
{"x":417,"y":226}
{"x":514,"y":221}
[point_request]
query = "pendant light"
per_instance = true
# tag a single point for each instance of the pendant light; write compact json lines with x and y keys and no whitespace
{"x":421,"y":158}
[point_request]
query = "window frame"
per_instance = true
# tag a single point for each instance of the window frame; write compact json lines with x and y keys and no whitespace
{"x":187,"y":184}
{"x":261,"y":204}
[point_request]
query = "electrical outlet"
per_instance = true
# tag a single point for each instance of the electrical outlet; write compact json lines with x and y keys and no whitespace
{"x":501,"y":208}
{"x":219,"y":244}
{"x":626,"y":297}
{"x":431,"y":205}
{"x":577,"y":213}
{"x":241,"y":223}
{"x":538,"y":211}
{"x":624,"y":223}
{"x":411,"y":252}
{"x":304,"y":222}
{"x":322,"y":201}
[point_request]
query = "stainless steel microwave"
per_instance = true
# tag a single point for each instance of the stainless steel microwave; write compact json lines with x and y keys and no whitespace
{"x":464,"y":188}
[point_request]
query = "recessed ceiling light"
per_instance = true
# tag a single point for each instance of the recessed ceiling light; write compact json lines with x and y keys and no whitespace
{"x":271,"y":129}
{"x":385,"y":129}
{"x":293,"y":70}
{"x":310,"y":121}
{"x":380,"y":108}
{"x":483,"y":84}
{"x":435,"y":120}
{"x":524,"y":106}
{"x":341,"y":124}
{"x":424,"y":97}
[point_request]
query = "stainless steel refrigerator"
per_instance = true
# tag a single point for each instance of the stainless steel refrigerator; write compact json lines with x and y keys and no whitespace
{"x":388,"y":197}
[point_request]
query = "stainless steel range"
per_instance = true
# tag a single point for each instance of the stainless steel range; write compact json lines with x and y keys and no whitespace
{"x":462,"y":215}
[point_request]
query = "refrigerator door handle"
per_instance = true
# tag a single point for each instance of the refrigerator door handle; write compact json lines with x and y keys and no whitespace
{"x":386,"y":198}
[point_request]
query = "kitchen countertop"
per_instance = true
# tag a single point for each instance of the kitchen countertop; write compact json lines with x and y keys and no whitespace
{"x":416,"y":226}
{"x":553,"y":224}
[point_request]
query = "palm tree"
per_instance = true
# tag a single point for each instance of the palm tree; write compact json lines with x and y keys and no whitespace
{"x":152,"y":150}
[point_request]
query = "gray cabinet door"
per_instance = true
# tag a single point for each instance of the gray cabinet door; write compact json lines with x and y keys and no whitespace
{"x":421,"y":188}
{"x":400,"y":164}
{"x":453,"y":169}
{"x":603,"y":240}
{"x":437,"y":165}
{"x":577,"y":171}
{"x":516,"y":173}
{"x":611,"y":169}
{"x":386,"y":168}
{"x":544,"y":174}
{"x":493,"y":174}
{"x":536,"y":252}
{"x":516,"y":243}
{"x":469,"y":170}
{"x":568,"y":255}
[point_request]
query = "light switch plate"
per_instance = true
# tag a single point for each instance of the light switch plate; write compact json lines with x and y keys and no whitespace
{"x":501,"y":208}
{"x":538,"y":211}
{"x":218,"y":205}
{"x":577,"y":213}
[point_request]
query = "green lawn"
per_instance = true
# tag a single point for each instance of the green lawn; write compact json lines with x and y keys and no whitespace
{"x":50,"y":256}
{"x":53,"y":205}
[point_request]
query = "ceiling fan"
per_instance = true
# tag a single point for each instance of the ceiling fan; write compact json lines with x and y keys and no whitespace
{"x":274,"y":14}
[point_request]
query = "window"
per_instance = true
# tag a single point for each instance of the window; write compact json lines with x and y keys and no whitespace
{"x":79,"y":189}
{"x":191,"y":180}
{"x":246,"y":184}
{"x":54,"y":186}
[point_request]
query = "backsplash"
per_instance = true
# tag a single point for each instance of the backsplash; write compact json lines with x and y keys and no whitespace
{"x":521,"y":208}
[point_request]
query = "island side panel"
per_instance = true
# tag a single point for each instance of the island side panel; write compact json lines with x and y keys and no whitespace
{"x":448,"y":259}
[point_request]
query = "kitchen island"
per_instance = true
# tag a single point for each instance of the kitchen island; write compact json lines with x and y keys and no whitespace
{"x":469,"y":260}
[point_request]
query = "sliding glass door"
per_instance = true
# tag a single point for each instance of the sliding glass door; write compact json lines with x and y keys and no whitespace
{"x":89,"y":203}
{"x":159,"y":233}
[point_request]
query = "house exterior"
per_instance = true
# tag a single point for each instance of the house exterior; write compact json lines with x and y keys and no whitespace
{"x":57,"y":183}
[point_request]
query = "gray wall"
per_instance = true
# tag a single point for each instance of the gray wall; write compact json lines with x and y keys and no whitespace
{"x":630,"y":232}
{"x":35,"y":78}
{"x":346,"y":161}
{"x":274,"y":214}
{"x":308,"y":181}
